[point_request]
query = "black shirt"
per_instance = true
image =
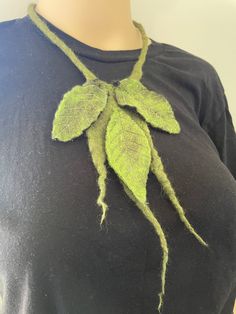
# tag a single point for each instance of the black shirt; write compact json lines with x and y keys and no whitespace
{"x":54,"y":258}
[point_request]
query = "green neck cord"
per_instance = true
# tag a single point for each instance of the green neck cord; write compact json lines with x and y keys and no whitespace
{"x":137,"y":69}
{"x":118,"y":136}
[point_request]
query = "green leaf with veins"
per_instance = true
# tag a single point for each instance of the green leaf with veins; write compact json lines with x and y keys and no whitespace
{"x":153,"y":107}
{"x":78,"y":109}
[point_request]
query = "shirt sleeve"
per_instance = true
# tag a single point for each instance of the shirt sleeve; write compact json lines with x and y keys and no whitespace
{"x":215,"y":118}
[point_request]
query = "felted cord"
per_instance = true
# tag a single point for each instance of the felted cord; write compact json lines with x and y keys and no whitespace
{"x":136,"y":71}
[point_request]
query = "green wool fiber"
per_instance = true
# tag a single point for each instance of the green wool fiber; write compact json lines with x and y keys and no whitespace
{"x":115,"y":118}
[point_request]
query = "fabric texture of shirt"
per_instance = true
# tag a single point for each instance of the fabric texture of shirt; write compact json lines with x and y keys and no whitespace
{"x":54,"y":258}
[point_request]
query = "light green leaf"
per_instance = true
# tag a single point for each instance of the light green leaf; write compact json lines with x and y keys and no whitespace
{"x":78,"y":109}
{"x":128,"y":152}
{"x":153,"y":107}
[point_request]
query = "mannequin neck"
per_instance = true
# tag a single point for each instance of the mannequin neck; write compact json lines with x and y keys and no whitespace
{"x":103,"y":24}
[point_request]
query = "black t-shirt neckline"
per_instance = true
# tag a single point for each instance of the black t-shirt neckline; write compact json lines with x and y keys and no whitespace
{"x":82,"y":49}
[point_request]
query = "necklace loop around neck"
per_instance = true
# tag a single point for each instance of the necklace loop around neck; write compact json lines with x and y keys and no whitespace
{"x":89,"y":75}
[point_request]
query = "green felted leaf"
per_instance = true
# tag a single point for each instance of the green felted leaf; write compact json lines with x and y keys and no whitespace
{"x":153,"y":107}
{"x":128,"y":152}
{"x":78,"y":109}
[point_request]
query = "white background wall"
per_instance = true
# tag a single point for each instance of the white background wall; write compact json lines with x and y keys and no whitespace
{"x":206,"y":28}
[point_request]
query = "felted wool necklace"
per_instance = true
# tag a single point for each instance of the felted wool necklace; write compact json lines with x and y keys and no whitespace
{"x":115,"y":118}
